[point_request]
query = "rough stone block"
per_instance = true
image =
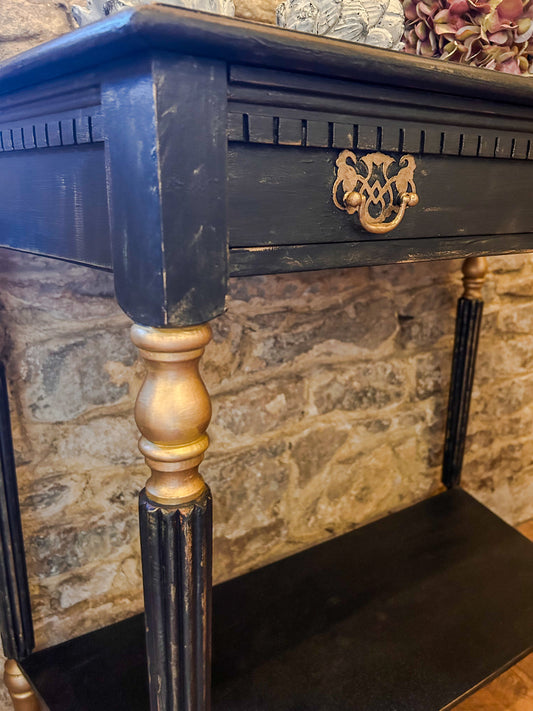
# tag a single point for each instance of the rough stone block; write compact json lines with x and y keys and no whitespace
{"x":65,"y":378}
{"x":257,"y":409}
{"x":24,"y":23}
{"x":359,"y":388}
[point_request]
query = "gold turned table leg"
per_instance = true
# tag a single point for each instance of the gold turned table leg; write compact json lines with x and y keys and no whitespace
{"x":172,"y":412}
{"x":474,"y":273}
{"x":20,"y":690}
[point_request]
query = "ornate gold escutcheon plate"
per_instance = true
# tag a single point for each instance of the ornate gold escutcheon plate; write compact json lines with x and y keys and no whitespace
{"x":376,"y":186}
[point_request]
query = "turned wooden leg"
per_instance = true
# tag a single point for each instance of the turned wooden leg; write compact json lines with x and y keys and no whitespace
{"x":468,"y":323}
{"x":22,"y":695}
{"x":172,"y":412}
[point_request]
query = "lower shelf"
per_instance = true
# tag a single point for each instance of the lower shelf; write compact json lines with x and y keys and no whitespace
{"x":410,"y":613}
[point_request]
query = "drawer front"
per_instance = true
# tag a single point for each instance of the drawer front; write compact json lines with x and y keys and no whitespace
{"x":283,"y":195}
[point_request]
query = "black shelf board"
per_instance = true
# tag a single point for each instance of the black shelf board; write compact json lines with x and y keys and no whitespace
{"x":410,"y":613}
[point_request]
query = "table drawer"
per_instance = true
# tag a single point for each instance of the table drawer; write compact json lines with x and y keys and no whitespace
{"x":283,"y":195}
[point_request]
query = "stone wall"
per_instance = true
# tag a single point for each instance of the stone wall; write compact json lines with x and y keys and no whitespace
{"x":329,"y":394}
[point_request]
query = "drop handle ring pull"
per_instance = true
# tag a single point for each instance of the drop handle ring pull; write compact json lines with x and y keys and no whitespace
{"x":356,"y":202}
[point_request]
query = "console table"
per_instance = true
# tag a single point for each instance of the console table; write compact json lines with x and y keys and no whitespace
{"x":177,"y":149}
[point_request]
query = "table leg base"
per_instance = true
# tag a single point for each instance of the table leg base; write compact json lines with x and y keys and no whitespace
{"x":20,"y":690}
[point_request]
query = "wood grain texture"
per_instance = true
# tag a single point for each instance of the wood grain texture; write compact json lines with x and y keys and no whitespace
{"x":511,"y":691}
{"x":526,"y":529}
{"x":54,"y":203}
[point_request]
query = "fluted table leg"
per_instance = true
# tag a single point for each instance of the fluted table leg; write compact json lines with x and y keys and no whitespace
{"x":172,"y":412}
{"x":468,"y":324}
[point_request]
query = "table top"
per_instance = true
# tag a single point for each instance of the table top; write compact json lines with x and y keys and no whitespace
{"x":178,"y":148}
{"x":163,"y":27}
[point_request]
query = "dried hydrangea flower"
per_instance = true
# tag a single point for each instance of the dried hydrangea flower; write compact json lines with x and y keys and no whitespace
{"x":495,"y":34}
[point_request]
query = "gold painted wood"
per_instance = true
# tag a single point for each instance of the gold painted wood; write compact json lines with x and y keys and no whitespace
{"x":173,"y":411}
{"x":376,"y":186}
{"x":474,"y":273}
{"x":20,"y":690}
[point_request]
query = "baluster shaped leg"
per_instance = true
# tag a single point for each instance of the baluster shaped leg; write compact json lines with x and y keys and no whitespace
{"x":468,"y":323}
{"x":20,"y":690}
{"x":172,"y":412}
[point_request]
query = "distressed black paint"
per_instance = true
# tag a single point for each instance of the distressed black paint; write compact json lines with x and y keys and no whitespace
{"x":158,"y":85}
{"x":293,"y":186}
{"x":394,"y":616}
{"x":250,"y":261}
{"x":173,"y":29}
{"x":15,"y":611}
{"x":54,"y":203}
{"x":468,"y":324}
{"x":176,"y":547}
{"x":166,"y":152}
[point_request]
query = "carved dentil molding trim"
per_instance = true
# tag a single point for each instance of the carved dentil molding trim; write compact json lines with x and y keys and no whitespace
{"x":73,"y":128}
{"x":419,"y":138}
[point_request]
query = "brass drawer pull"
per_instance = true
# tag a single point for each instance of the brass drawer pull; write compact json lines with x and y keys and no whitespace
{"x":358,"y":202}
{"x":377,"y":187}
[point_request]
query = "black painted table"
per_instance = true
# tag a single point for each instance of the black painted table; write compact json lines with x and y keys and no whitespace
{"x":178,"y":149}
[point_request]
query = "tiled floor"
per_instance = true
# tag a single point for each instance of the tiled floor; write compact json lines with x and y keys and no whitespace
{"x":513,"y":690}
